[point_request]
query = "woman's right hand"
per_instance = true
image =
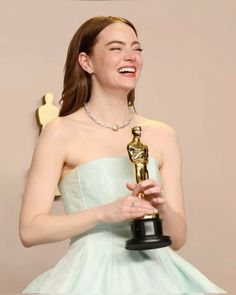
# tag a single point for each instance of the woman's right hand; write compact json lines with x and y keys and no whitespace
{"x":127,"y":208}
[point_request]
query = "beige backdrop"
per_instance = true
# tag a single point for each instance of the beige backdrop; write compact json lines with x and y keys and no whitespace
{"x":188,"y":81}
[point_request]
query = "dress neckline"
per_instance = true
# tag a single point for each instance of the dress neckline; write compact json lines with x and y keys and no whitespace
{"x":93,"y":161}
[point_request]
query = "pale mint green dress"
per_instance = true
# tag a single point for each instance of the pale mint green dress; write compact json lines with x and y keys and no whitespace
{"x":96,"y":262}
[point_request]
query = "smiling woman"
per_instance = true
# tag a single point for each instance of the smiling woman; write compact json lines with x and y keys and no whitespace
{"x":77,"y":80}
{"x":86,"y":153}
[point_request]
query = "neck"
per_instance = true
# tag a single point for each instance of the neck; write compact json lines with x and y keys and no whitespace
{"x":109,"y":106}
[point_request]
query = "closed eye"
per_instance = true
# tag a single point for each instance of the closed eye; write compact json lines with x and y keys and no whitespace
{"x":138,"y":49}
{"x":115,"y":48}
{"x":119,"y":49}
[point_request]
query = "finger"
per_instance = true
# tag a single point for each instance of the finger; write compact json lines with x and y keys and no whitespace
{"x":136,"y":204}
{"x":131,"y":186}
{"x":147,"y":211}
{"x":134,"y":201}
{"x":134,"y":215}
{"x":139,"y":211}
{"x":145,"y":185}
{"x":159,"y":200}
{"x":137,"y":190}
{"x":146,"y":208}
{"x":153,"y":190}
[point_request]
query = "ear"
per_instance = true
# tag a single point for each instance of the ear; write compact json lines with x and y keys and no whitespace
{"x":85,"y":62}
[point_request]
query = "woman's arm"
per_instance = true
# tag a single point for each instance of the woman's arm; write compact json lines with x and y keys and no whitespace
{"x":37,"y":225}
{"x":172,"y":212}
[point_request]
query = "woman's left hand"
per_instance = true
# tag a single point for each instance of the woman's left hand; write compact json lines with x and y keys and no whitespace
{"x":151,"y":190}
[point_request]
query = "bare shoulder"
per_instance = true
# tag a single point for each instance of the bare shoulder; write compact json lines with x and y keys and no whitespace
{"x":58,"y":129}
{"x":52,"y":144}
{"x":157,"y":128}
{"x":162,"y":140}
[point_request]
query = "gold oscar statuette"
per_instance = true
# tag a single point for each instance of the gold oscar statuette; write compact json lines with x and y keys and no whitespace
{"x":147,"y":231}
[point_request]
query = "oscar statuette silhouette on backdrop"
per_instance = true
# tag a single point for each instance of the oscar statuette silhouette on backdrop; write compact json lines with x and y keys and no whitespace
{"x":44,"y":114}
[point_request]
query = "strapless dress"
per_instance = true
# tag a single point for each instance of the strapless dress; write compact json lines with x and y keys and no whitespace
{"x":96,"y":262}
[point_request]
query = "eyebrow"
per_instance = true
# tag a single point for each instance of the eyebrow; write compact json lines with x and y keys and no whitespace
{"x":122,"y":43}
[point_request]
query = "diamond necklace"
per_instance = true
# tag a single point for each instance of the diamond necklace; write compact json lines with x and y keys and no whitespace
{"x":114,"y":127}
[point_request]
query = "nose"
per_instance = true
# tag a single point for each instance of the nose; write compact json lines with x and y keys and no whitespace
{"x":129,"y":55}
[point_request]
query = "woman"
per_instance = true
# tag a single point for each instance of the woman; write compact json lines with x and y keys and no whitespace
{"x":85,"y":149}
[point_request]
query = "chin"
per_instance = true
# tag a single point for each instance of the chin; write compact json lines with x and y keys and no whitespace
{"x":128,"y":88}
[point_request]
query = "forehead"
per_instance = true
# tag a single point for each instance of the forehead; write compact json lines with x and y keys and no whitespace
{"x":117,"y":31}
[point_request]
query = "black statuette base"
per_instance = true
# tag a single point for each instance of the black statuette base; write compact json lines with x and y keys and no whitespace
{"x":147,"y":234}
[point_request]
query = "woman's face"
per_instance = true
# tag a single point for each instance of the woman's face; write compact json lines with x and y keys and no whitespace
{"x":116,"y":58}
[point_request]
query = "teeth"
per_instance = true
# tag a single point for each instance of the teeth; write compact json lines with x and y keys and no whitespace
{"x":126,"y":69}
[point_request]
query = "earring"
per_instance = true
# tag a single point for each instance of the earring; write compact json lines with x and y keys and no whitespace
{"x":130,"y":103}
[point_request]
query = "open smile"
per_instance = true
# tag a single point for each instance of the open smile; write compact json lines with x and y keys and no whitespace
{"x":127,"y":71}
